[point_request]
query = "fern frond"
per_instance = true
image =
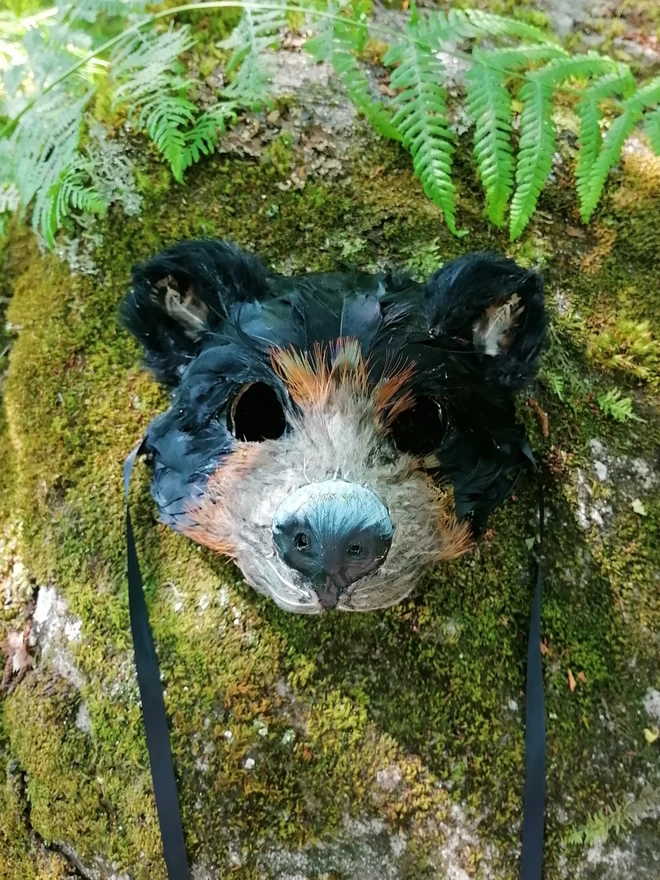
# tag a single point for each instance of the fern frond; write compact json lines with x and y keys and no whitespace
{"x":576,"y":67}
{"x":32,"y":60}
{"x":351,"y":33}
{"x":462,"y":24}
{"x":613,"y":403}
{"x":145,"y":70}
{"x":652,"y":129}
{"x":356,"y":84}
{"x":616,"y":136}
{"x":489,"y":105}
{"x":510,"y":59}
{"x":538,"y":133}
{"x":535,"y":151}
{"x":257,"y":31}
{"x":9,"y":198}
{"x":165,"y":120}
{"x":590,"y":114}
{"x":145,"y":65}
{"x":203,"y":137}
{"x":421,"y":118}
{"x":72,"y":190}
{"x":45,"y":147}
{"x":152,"y":51}
{"x":336,"y":42}
{"x":9,"y":201}
{"x":90,"y":10}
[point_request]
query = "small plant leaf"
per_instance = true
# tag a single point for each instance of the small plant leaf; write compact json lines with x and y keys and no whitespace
{"x":572,"y":684}
{"x":639,"y":508}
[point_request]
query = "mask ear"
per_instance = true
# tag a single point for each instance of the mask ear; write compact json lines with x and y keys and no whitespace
{"x":180,"y":296}
{"x":495,"y":307}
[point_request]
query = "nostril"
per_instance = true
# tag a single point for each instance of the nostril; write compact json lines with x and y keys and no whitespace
{"x":333,"y":533}
{"x":301,"y":541}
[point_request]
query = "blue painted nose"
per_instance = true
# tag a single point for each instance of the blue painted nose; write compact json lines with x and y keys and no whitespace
{"x":334,"y":533}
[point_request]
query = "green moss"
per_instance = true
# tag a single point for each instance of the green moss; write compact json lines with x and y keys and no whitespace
{"x":5,"y":470}
{"x":279,"y":153}
{"x":320,"y":705}
{"x":22,"y":856}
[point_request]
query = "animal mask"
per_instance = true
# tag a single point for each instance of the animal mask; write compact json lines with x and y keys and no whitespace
{"x":335,"y":434}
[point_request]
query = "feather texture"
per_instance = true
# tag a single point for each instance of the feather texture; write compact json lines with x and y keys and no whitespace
{"x":214,"y":320}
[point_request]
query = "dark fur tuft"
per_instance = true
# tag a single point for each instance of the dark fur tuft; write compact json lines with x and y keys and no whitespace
{"x":217,"y":274}
{"x":462,"y":290}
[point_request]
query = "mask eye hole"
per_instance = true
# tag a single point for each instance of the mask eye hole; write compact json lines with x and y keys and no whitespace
{"x":419,"y":430}
{"x":256,"y":413}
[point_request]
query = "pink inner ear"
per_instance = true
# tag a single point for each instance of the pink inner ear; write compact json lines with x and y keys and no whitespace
{"x":492,"y":333}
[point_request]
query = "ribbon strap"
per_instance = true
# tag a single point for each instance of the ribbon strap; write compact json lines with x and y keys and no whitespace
{"x":153,"y":706}
{"x":158,"y":743}
{"x":534,"y":795}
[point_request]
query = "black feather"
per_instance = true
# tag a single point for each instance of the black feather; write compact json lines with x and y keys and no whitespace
{"x":458,"y":293}
{"x":216,"y":273}
{"x":248,"y":310}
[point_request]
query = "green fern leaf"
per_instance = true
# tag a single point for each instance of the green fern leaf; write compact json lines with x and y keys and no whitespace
{"x":350,"y":34}
{"x":336,"y":42}
{"x":45,"y":147}
{"x":510,"y":59}
{"x":616,"y":136}
{"x":146,"y":66}
{"x":652,"y":128}
{"x":9,"y":199}
{"x":576,"y":67}
{"x":537,"y":130}
{"x":421,"y":118}
{"x":149,"y":55}
{"x":203,"y":137}
{"x":462,"y":24}
{"x":34,"y":51}
{"x":613,"y":403}
{"x":257,"y":31}
{"x":535,"y":151}
{"x":71,"y":191}
{"x":91,"y":10}
{"x":165,"y":120}
{"x":589,"y":138}
{"x":45,"y":142}
{"x":145,"y":70}
{"x":356,"y":84}
{"x":489,"y":105}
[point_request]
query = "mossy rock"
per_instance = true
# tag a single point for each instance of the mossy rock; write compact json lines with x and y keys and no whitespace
{"x":380,"y":745}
